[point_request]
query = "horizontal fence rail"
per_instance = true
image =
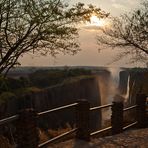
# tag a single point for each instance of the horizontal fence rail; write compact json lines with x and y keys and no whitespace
{"x":100,"y":107}
{"x":131,"y":107}
{"x":57,"y":109}
{"x":130,"y":125}
{"x":57,"y":138}
{"x":9,"y":119}
{"x":100,"y":131}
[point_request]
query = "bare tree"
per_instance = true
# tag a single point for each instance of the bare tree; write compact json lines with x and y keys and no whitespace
{"x":39,"y":26}
{"x":129,"y":34}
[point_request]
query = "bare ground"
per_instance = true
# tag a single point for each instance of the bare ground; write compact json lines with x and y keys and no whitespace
{"x":128,"y":139}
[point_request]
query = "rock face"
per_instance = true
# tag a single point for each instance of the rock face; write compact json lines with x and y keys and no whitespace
{"x":59,"y":95}
{"x":9,"y":108}
{"x":66,"y":94}
{"x":138,"y":83}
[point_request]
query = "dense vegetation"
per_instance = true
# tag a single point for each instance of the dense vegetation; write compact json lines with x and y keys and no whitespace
{"x":36,"y":81}
{"x":47,"y":78}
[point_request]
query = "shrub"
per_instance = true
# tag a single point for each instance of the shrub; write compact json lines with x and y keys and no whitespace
{"x":5,"y":96}
{"x":10,"y":84}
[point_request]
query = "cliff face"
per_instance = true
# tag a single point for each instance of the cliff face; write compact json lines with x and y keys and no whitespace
{"x":59,"y":95}
{"x":9,"y":108}
{"x":138,"y":83}
{"x":66,"y":94}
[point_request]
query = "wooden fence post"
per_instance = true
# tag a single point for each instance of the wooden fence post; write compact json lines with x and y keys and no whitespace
{"x":117,"y":117}
{"x":141,"y":111}
{"x":83,"y":120}
{"x":27,"y":133}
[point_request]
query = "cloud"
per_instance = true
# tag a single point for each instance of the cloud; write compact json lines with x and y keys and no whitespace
{"x":113,"y":0}
{"x":119,"y":6}
{"x":133,"y":2}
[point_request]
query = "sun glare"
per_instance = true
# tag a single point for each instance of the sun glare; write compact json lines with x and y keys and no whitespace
{"x":95,"y":21}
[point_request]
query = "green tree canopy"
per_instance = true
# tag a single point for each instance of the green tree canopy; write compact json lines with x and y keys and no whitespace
{"x":41,"y":27}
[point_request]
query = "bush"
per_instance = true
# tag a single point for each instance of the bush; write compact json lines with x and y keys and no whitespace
{"x":10,"y":84}
{"x":5,"y":96}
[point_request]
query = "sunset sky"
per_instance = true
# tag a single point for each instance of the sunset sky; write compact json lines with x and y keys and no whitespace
{"x":89,"y":56}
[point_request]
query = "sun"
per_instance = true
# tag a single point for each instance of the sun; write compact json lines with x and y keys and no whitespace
{"x":95,"y":21}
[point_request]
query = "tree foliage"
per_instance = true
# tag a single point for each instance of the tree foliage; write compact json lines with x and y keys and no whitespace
{"x":39,"y":26}
{"x":55,"y":76}
{"x":128,"y":33}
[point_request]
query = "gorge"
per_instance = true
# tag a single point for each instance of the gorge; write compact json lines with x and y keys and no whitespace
{"x":98,"y":88}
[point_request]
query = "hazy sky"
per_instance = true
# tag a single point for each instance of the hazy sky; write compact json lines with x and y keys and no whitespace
{"x":89,"y":56}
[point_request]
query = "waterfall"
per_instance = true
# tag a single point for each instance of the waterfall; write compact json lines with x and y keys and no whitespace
{"x":130,"y":86}
{"x":112,"y":90}
{"x":126,"y":96}
{"x":114,"y":83}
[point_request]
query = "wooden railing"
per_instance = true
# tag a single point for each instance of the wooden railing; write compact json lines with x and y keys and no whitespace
{"x":9,"y":119}
{"x":64,"y":134}
{"x":27,"y":121}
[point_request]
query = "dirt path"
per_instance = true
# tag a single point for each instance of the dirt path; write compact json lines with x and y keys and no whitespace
{"x":128,"y":139}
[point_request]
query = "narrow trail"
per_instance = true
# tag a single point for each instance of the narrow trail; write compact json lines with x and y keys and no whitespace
{"x":128,"y":139}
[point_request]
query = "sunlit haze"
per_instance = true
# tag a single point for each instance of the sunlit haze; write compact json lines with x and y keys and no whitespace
{"x":89,"y":55}
{"x":94,"y":20}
